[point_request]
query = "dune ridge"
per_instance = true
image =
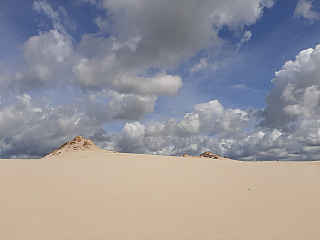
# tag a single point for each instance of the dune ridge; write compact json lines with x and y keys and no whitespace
{"x":206,"y":154}
{"x":79,"y":144}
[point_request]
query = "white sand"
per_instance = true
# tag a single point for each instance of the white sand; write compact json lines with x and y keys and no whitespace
{"x":124,"y":196}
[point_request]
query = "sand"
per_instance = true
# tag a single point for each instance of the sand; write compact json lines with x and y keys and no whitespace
{"x":94,"y":195}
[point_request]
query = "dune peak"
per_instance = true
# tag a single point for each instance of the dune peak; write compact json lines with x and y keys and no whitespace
{"x":75,"y":145}
{"x":209,"y":154}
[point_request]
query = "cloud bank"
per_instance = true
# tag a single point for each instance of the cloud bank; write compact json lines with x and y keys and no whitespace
{"x":124,"y":67}
{"x":288,"y":128}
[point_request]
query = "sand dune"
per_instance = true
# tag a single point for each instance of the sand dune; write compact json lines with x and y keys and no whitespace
{"x":78,"y":144}
{"x":104,"y":195}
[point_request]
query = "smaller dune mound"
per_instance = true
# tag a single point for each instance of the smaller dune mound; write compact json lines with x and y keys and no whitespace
{"x":208,"y":154}
{"x":76,"y":145}
{"x":185,"y":155}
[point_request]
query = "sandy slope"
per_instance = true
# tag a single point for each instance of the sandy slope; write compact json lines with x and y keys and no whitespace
{"x":124,"y":196}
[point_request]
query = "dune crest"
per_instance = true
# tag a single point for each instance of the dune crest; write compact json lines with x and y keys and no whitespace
{"x":206,"y":154}
{"x":76,"y":145}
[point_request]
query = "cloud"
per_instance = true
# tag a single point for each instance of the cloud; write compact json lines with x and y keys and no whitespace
{"x":5,"y":86}
{"x":132,"y":107}
{"x":132,"y":138}
{"x":96,"y":64}
{"x":47,"y":9}
{"x":239,"y":86}
{"x":144,"y":35}
{"x":112,"y":69}
{"x":230,"y":132}
{"x":303,"y":10}
{"x":287,"y":129}
{"x":258,"y":144}
{"x":190,"y":134}
{"x":296,"y":95}
{"x":33,"y":128}
{"x":201,"y":65}
{"x":166,"y":28}
{"x":245,"y":38}
{"x":56,"y":17}
{"x":48,"y":57}
{"x":107,"y":73}
{"x":154,"y":34}
{"x":48,"y":46}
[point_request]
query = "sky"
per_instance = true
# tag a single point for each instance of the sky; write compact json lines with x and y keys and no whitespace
{"x":237,"y":78}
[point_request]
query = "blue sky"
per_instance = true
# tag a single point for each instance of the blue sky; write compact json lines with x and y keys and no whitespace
{"x":238,"y":78}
